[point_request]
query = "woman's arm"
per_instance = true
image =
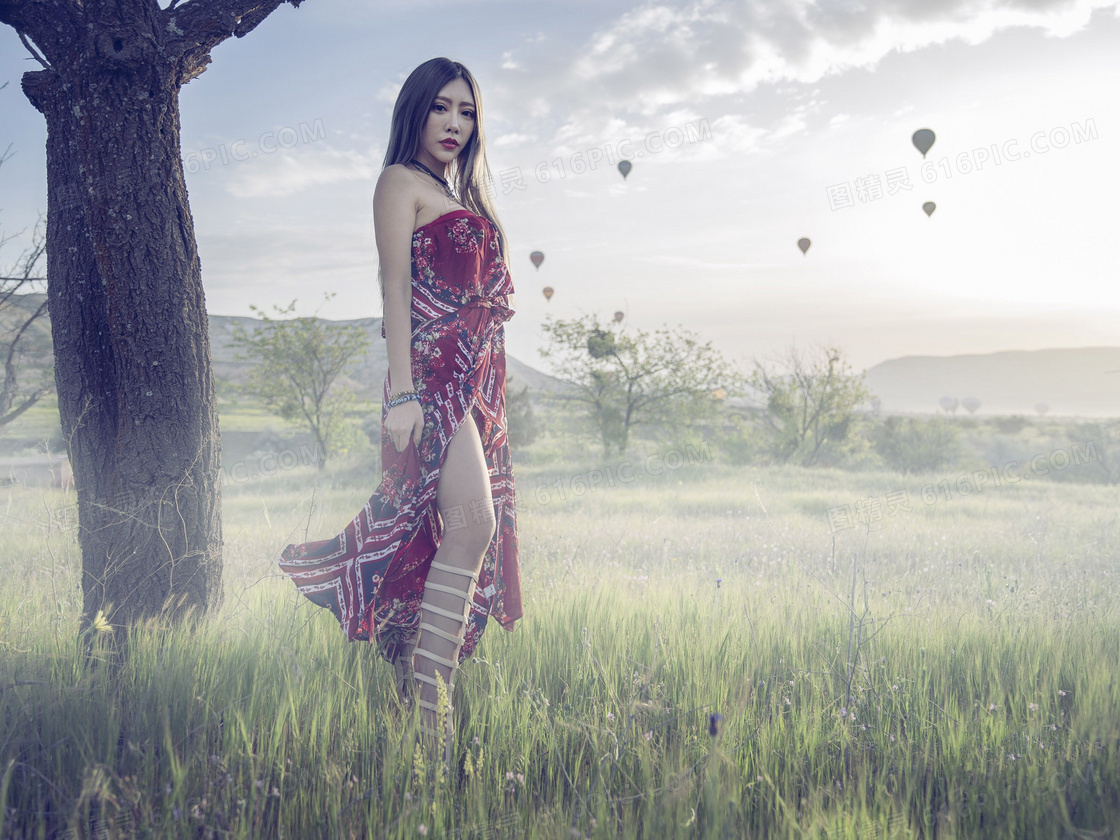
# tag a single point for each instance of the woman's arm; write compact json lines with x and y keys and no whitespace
{"x":395,"y":203}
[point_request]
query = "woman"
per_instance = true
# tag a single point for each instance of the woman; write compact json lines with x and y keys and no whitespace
{"x":434,"y":552}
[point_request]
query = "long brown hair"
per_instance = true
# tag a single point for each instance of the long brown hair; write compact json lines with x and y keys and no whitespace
{"x":470,"y":172}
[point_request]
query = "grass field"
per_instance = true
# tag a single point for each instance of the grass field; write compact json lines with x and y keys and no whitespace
{"x":946,"y":671}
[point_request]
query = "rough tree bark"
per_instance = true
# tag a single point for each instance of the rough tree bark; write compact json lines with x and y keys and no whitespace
{"x":128,"y":316}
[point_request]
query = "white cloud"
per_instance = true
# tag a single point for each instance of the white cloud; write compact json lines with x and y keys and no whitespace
{"x":389,"y":92}
{"x":513,"y":140}
{"x":662,"y":58}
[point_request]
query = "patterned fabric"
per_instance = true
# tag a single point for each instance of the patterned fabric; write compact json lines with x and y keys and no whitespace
{"x":372,"y":575}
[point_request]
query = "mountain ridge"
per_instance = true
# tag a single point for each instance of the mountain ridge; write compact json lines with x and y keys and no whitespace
{"x":1071,"y":381}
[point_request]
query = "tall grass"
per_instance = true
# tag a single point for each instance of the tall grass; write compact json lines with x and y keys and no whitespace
{"x":943,"y":672}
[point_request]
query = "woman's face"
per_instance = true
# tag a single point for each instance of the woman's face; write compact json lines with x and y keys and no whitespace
{"x":451,"y":118}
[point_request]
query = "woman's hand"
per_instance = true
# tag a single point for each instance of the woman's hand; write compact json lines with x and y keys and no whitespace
{"x":405,"y":424}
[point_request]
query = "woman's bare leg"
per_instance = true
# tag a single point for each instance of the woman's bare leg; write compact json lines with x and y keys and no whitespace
{"x":466,"y":506}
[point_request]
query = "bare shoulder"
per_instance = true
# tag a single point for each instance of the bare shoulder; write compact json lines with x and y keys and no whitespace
{"x":397,"y":191}
{"x":398,"y":173}
{"x":397,"y":179}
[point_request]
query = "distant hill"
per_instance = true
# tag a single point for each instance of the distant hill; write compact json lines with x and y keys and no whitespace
{"x":1082,"y":381}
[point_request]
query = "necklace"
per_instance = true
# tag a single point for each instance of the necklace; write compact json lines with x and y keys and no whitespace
{"x":442,"y":182}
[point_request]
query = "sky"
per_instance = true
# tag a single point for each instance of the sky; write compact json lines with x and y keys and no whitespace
{"x":749,"y":125}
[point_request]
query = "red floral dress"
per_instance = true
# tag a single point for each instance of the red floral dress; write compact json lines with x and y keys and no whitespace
{"x":372,"y":575}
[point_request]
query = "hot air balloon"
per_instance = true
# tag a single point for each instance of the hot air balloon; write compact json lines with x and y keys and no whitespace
{"x":537,"y":257}
{"x":618,"y":316}
{"x":923,"y":139}
{"x":970,"y":404}
{"x":949,"y":404}
{"x":1041,"y":408}
{"x":624,"y":167}
{"x":929,"y":207}
{"x":803,"y":244}
{"x":547,"y":290}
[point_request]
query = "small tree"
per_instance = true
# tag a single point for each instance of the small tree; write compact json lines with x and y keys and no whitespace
{"x":295,"y":364}
{"x":812,"y":411}
{"x":1102,"y":440}
{"x":913,"y":445}
{"x":627,"y":378}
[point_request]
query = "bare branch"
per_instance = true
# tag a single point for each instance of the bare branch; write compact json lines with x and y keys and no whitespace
{"x":54,"y":25}
{"x":15,"y":284}
{"x":10,"y":286}
{"x":10,"y":386}
{"x":23,"y":406}
{"x":200,"y":25}
{"x":26,"y":324}
{"x":34,"y":52}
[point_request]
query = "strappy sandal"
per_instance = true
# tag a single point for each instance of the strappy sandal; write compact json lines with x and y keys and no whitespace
{"x":452,"y":663}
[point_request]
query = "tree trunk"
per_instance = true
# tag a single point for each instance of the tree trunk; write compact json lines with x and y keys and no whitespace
{"x":131,"y":343}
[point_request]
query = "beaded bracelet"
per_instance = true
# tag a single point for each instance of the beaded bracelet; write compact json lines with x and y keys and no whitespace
{"x":402,"y":398}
